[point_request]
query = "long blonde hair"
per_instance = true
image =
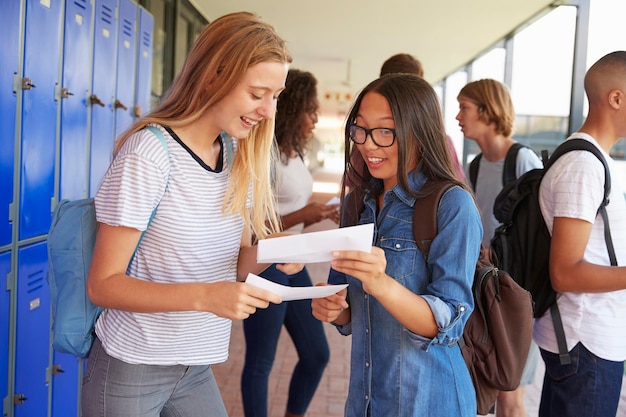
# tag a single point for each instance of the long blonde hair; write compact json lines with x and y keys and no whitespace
{"x":216,"y":63}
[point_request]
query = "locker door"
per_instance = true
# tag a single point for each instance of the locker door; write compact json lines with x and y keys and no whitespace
{"x":66,"y":384}
{"x":75,"y":88}
{"x":42,"y":50}
{"x":144,"y":62}
{"x":32,"y":322}
{"x":103,"y":91}
{"x":9,"y":67}
{"x":126,"y":46}
{"x":5,"y":299}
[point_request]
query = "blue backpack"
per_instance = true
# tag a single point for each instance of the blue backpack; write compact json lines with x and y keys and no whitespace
{"x":71,"y":241}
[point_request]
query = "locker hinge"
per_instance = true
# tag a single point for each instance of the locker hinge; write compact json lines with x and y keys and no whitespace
{"x":11,"y":281}
{"x":12,"y":212}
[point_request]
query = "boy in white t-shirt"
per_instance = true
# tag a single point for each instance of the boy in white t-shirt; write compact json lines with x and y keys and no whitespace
{"x":591,"y":293}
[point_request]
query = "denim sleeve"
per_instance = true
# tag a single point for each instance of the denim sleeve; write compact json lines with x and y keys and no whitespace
{"x":452,"y":262}
{"x":336,"y":277}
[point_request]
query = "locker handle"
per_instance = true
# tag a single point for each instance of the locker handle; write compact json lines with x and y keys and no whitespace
{"x":96,"y":100}
{"x":66,"y":93}
{"x":119,"y":105}
{"x":18,"y":399}
{"x":27,"y":84}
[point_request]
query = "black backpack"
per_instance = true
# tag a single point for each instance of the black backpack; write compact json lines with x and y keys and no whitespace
{"x":508,"y":172}
{"x":497,"y":336}
{"x":521,"y":244}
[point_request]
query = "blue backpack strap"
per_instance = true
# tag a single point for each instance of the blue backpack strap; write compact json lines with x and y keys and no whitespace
{"x":230,"y":148}
{"x":157,"y":132}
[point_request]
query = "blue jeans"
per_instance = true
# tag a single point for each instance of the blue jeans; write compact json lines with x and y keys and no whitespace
{"x":589,"y":386}
{"x":262,"y":330}
{"x":112,"y":388}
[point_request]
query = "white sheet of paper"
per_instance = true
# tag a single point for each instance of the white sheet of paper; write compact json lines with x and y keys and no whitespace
{"x":316,"y":246}
{"x":294,"y":293}
{"x":334,"y":200}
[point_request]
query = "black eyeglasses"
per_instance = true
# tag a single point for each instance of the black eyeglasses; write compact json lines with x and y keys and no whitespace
{"x":381,"y":136}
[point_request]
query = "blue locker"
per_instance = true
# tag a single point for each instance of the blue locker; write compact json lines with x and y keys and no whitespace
{"x":102,"y":133}
{"x":126,"y":47}
{"x":32,"y":325}
{"x":5,"y":300}
{"x":42,"y":49}
{"x":75,"y":88}
{"x":9,"y":65}
{"x":66,"y":383}
{"x":144,"y":62}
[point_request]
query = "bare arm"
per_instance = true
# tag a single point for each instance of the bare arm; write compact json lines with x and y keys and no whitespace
{"x":410,"y":309}
{"x":568,"y":271}
{"x":110,"y":287}
{"x":246,"y":263}
{"x":310,"y":214}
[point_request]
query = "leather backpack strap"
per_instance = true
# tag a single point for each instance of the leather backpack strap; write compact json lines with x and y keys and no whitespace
{"x":425,"y":214}
{"x":473,"y":170}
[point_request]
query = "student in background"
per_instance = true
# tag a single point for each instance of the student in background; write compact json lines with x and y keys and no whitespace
{"x":591,"y":293}
{"x":405,"y":314}
{"x":486,"y":116}
{"x":405,"y":63}
{"x":168,"y":314}
{"x":296,"y":117}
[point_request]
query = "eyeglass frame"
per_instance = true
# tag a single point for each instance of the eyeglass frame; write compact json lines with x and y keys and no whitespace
{"x":370,"y":133}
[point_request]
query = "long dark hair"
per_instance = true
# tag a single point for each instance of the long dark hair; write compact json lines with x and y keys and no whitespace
{"x":420,"y":135}
{"x":298,"y":98}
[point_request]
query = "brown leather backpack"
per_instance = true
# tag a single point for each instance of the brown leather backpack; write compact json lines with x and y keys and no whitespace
{"x":497,"y":336}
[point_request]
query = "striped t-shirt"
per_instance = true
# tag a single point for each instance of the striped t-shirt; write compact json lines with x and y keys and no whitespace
{"x":188,"y":240}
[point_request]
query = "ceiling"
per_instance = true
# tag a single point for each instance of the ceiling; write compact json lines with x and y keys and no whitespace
{"x":344,"y":42}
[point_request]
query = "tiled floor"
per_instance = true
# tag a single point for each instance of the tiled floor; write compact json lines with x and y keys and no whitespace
{"x":330,"y":396}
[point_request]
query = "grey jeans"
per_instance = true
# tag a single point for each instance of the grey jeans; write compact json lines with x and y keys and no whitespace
{"x":112,"y":388}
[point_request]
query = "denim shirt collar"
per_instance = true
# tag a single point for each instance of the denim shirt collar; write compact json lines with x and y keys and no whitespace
{"x":417,"y":179}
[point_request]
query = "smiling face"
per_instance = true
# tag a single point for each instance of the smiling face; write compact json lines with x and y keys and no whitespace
{"x":382,"y":163}
{"x":252,"y":100}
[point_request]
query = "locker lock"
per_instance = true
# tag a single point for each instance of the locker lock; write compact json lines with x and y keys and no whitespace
{"x":56,"y":369}
{"x":66,"y":93}
{"x":18,"y":399}
{"x":119,"y":105}
{"x":96,"y":100}
{"x":27,"y":84}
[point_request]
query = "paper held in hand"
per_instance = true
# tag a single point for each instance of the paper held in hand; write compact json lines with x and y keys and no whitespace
{"x":294,"y":293}
{"x":315,"y":246}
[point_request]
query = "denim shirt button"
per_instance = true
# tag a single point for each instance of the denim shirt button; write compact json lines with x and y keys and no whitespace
{"x":367,"y":364}
{"x":462,"y":309}
{"x":367,"y":330}
{"x":398,"y":246}
{"x":367,"y":397}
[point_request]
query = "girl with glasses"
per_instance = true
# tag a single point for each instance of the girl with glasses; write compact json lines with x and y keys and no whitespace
{"x":405,"y":313}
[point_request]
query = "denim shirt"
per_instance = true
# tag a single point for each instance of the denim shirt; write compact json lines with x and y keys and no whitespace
{"x":395,"y":372}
